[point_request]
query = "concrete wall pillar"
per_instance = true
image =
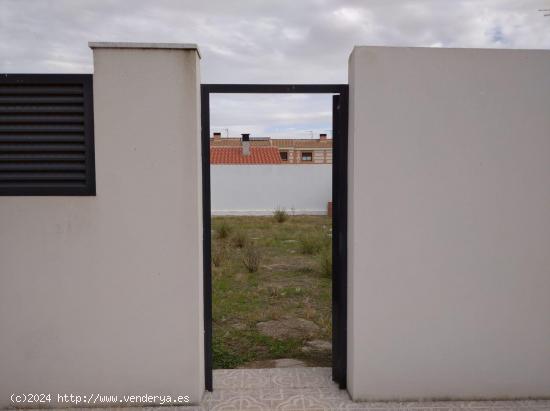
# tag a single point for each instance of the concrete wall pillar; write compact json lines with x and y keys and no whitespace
{"x":104,"y":294}
{"x":449,"y":223}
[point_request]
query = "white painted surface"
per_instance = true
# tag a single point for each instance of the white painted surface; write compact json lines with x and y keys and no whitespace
{"x":104,"y":294}
{"x":140,"y":45}
{"x":449,"y":223}
{"x":260,"y":189}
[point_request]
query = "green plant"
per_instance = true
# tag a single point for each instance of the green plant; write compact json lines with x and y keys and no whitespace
{"x":312,"y":243}
{"x":240,"y":240}
{"x":219,"y":254}
{"x":280,"y":215}
{"x":252,"y":257}
{"x":224,"y":230}
{"x":325,"y":261}
{"x":224,"y":357}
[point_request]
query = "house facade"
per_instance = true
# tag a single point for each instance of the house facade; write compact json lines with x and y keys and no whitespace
{"x":266,"y":150}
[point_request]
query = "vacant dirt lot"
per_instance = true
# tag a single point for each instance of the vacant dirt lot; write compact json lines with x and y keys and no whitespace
{"x":271,"y":290}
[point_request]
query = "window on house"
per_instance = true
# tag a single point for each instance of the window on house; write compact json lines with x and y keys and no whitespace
{"x":307,"y":156}
{"x":284,"y":155}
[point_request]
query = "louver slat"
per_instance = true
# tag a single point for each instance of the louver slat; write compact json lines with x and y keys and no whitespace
{"x":40,"y":138}
{"x":40,"y":99}
{"x":38,"y":109}
{"x":48,"y":128}
{"x":42,"y":119}
{"x":53,"y":166}
{"x":35,"y":177}
{"x":33,"y":157}
{"x":22,"y":89}
{"x":7,"y":148}
{"x":46,"y":135}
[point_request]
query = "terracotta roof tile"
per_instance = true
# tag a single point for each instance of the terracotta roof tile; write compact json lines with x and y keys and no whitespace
{"x":234,"y":155}
{"x":225,"y":142}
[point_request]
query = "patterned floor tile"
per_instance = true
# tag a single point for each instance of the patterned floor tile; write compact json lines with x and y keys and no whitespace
{"x":277,"y":399}
{"x":242,"y":379}
{"x":314,"y":377}
{"x":532,"y":405}
{"x":301,"y":389}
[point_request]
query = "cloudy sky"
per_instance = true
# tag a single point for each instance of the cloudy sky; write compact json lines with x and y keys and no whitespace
{"x":253,"y":41}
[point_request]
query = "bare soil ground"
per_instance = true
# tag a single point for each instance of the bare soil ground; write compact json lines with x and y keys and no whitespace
{"x":276,"y":311}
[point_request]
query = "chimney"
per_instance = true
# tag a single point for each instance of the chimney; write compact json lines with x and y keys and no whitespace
{"x":322,"y":137}
{"x":217,"y":136}
{"x":246,"y":144}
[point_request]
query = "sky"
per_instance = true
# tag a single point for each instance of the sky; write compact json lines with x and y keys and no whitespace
{"x":261,"y":41}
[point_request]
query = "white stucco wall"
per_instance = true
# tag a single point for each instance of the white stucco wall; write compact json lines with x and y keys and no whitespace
{"x":260,"y":189}
{"x":103,"y":294}
{"x":449,"y":223}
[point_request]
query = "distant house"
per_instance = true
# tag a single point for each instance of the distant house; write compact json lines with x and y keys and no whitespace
{"x":266,"y":150}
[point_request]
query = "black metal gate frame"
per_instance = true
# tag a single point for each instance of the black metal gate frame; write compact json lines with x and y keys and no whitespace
{"x":339,"y":221}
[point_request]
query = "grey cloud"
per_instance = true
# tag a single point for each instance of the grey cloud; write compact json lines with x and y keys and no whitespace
{"x":279,"y":41}
{"x":252,"y":41}
{"x":271,"y":115}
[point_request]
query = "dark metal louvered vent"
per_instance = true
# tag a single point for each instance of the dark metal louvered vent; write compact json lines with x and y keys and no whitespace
{"x":46,"y":134}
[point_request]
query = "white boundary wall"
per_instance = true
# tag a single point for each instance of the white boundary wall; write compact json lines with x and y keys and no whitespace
{"x":260,"y":189}
{"x":449,"y":223}
{"x":104,"y":294}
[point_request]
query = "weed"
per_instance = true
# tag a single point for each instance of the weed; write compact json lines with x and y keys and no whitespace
{"x":304,"y":269}
{"x":282,"y":348}
{"x":312,"y":243}
{"x":224,"y":230}
{"x":325,"y":262}
{"x":219,"y":254}
{"x":273,"y":291}
{"x":280,"y":215}
{"x":252,"y":257}
{"x":224,"y":356}
{"x":240,"y":240}
{"x":292,"y":292}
